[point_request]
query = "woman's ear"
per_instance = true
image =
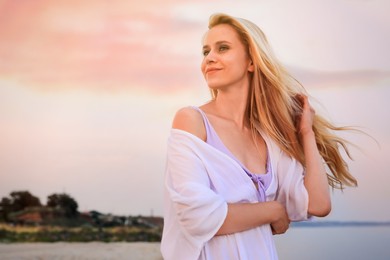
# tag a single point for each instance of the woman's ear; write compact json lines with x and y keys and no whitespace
{"x":251,"y":67}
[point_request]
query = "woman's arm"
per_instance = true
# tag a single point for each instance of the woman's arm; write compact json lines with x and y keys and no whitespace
{"x":315,"y":181}
{"x":244,"y":216}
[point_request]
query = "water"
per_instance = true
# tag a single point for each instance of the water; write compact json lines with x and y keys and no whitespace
{"x":299,"y":243}
{"x":325,"y":243}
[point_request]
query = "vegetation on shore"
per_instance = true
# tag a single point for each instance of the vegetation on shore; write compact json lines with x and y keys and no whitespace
{"x":24,"y":219}
{"x":12,"y":234}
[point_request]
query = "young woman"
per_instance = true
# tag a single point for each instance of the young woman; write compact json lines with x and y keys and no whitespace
{"x":244,"y":165}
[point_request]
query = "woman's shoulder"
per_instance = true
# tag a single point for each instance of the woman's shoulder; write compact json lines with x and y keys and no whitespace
{"x":190,"y":120}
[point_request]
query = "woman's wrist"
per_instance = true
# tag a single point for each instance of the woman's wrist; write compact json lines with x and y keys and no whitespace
{"x":306,"y":133}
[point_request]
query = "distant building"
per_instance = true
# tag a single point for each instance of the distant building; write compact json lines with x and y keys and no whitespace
{"x":35,"y":215}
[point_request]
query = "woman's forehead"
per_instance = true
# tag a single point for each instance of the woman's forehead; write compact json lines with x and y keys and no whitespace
{"x":220,"y":32}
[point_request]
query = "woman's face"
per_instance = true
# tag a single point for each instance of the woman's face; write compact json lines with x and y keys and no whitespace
{"x":226,"y":62}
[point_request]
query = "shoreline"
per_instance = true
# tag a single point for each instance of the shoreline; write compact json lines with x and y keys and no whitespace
{"x":81,"y":250}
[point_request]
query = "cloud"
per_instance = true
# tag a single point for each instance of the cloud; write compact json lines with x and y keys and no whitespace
{"x":352,"y":78}
{"x":90,"y":46}
{"x":155,"y":45}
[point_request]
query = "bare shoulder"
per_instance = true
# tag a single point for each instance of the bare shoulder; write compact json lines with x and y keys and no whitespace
{"x":191,"y":121}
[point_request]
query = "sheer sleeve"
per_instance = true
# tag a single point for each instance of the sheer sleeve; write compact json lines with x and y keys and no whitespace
{"x":191,"y":204}
{"x":291,"y":190}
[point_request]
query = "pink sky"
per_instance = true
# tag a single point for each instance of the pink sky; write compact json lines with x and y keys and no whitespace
{"x":154,"y":44}
{"x":94,"y":44}
{"x":88,"y":89}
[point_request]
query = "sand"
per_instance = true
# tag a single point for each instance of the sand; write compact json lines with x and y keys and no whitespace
{"x":81,"y":251}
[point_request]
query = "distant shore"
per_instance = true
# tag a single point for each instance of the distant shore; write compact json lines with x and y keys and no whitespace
{"x":51,"y":234}
{"x":81,"y":251}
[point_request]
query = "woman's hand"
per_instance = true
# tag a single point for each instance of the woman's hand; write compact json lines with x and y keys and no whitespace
{"x":281,"y":222}
{"x":305,"y":119}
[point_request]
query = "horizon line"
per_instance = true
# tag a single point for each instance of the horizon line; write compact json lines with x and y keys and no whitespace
{"x":338,"y":223}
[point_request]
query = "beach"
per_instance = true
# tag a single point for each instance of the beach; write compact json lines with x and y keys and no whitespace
{"x":81,"y":251}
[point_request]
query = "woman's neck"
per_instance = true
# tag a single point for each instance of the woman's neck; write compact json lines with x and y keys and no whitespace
{"x":231,"y":104}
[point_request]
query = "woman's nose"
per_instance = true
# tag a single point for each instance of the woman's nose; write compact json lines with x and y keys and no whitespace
{"x":211,"y":57}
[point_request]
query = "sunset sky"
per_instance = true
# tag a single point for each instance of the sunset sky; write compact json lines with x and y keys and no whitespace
{"x":88,"y":90}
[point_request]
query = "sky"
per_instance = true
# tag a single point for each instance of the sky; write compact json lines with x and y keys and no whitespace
{"x":88,"y":90}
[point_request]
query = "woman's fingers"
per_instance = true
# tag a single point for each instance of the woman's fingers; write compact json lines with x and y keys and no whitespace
{"x":305,"y":122}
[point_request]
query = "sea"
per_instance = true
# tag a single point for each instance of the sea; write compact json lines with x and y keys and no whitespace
{"x":335,"y":241}
{"x":313,"y":241}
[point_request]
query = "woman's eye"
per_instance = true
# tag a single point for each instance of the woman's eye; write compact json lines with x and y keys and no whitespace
{"x":205,"y":53}
{"x":223,"y":48}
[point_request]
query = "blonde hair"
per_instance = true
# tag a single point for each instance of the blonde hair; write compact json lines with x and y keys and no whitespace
{"x":273,"y":105}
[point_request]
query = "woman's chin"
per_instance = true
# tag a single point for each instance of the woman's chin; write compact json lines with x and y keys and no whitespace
{"x":213,"y":85}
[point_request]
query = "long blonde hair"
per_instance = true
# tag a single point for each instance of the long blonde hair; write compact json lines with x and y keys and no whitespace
{"x":272,"y":105}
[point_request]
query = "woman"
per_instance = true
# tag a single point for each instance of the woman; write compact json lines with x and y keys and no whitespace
{"x":244,"y":165}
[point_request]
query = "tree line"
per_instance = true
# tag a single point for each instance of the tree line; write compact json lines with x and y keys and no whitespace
{"x":18,"y":201}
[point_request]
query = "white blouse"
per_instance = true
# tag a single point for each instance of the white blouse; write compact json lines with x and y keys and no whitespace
{"x":199,"y":183}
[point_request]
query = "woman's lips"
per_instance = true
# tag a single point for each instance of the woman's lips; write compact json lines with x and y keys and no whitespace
{"x":212,"y":70}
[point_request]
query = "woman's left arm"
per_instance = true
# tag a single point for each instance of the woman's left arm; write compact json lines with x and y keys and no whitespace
{"x":315,"y":180}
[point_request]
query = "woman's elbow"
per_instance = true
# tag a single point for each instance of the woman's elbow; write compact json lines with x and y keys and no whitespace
{"x":320,"y":209}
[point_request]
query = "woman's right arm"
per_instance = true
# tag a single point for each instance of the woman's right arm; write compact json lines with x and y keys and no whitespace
{"x":244,"y":216}
{"x":240,"y":216}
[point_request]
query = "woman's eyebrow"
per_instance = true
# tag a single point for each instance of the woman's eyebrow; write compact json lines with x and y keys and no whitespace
{"x":217,"y":43}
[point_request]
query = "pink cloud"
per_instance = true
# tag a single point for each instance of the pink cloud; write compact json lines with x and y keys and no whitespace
{"x":119,"y":46}
{"x":323,"y":79}
{"x":77,"y":45}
